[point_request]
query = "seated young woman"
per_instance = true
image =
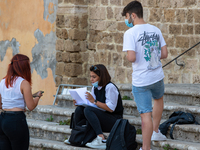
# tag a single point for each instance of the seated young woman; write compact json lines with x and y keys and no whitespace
{"x":105,"y":95}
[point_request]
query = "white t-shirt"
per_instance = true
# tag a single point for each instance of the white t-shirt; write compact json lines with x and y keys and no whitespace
{"x":146,"y":40}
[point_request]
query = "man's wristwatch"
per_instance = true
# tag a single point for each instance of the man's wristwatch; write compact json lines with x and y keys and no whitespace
{"x":95,"y":101}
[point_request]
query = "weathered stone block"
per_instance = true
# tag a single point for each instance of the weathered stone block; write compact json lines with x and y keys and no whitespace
{"x":192,"y":65}
{"x":75,"y":57}
{"x":75,"y":34}
{"x":173,"y":52}
{"x":193,"y":41}
{"x":126,"y":62}
{"x":180,"y":16}
{"x":58,"y":80}
{"x":66,"y":57}
{"x":105,"y":47}
{"x":169,"y":40}
{"x":60,"y":44}
{"x":110,"y":13}
{"x":182,"y":42}
{"x":173,"y":78}
{"x":71,"y":21}
{"x":196,"y":79}
{"x":118,"y":13}
{"x":117,"y":59}
{"x":129,"y":74}
{"x":91,"y":46}
{"x":76,"y":2}
{"x":169,"y":15}
{"x":164,"y":3}
{"x":187,"y":29}
{"x":61,"y":33}
{"x":60,"y":68}
{"x":125,"y":2}
{"x":196,"y":15}
{"x":60,"y":1}
{"x":118,"y":37}
{"x":190,"y":15}
{"x":72,"y":69}
{"x":104,"y":2}
{"x":111,"y":25}
{"x":155,"y":14}
{"x":60,"y":21}
{"x":146,"y":14}
{"x":189,"y":3}
{"x":175,"y":29}
{"x":75,"y":81}
{"x":103,"y":58}
{"x":107,"y":38}
{"x":197,"y":29}
{"x":71,"y":46}
{"x":163,"y":27}
{"x":119,"y":48}
{"x":177,"y":3}
{"x":94,"y":36}
{"x":121,"y":26}
{"x":98,"y":25}
{"x":84,"y":22}
{"x":116,"y":2}
{"x":186,"y":78}
{"x":100,"y":14}
{"x":58,"y":56}
{"x":119,"y":74}
{"x":85,"y":56}
{"x":83,"y":45}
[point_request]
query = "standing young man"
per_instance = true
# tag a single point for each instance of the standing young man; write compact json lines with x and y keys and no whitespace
{"x":145,"y":46}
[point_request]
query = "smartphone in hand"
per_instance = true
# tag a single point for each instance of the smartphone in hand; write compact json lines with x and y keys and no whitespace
{"x":35,"y":94}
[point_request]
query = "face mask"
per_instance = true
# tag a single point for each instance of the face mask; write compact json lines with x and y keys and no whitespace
{"x":128,"y":24}
{"x":95,"y":84}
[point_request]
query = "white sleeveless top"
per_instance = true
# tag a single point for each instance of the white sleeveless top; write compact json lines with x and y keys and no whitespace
{"x":12,"y":97}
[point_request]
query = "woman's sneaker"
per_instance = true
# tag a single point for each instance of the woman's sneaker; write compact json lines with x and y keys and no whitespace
{"x":141,"y":148}
{"x":158,"y":136}
{"x":67,"y":141}
{"x":97,"y":143}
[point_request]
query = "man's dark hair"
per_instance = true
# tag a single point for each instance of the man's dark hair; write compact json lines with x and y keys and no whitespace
{"x":133,"y":7}
{"x":102,"y":72}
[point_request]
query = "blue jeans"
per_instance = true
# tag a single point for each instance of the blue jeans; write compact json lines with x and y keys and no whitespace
{"x":143,"y":95}
{"x":14,"y":132}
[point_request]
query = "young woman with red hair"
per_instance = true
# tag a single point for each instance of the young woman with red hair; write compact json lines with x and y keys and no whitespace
{"x":15,"y":95}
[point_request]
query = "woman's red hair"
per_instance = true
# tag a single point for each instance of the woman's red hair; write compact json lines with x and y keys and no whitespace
{"x":19,"y":67}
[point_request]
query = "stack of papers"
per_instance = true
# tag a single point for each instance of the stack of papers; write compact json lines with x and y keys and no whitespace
{"x":79,"y":95}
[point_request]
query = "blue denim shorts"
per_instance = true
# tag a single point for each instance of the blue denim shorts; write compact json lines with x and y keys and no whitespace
{"x":143,"y":95}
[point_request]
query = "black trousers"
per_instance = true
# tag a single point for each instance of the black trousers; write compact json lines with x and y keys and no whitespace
{"x":101,"y":121}
{"x":14,"y":132}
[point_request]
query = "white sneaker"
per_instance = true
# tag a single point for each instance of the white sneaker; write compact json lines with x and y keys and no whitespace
{"x":97,"y":143}
{"x":141,"y":148}
{"x":158,"y":136}
{"x":67,"y":141}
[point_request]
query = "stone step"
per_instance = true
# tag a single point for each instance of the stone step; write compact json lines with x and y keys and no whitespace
{"x":54,"y":131}
{"x":170,"y":144}
{"x":184,"y":94}
{"x":48,"y":130}
{"x":43,"y":144}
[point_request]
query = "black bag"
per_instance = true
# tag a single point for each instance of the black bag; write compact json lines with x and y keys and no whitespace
{"x":122,"y":136}
{"x":177,"y":117}
{"x":81,"y":133}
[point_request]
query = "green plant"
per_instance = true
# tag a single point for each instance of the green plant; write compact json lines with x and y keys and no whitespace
{"x":126,"y":98}
{"x":138,"y":131}
{"x":65,"y":122}
{"x":50,"y":119}
{"x":166,"y":147}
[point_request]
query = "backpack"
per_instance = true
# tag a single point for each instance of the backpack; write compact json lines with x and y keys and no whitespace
{"x":177,"y":117}
{"x":81,"y":133}
{"x":122,"y":136}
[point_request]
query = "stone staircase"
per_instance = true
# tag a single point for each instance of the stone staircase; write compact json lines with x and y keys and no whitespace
{"x":49,"y":135}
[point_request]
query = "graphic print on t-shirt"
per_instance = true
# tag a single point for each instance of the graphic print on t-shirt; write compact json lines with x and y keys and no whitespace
{"x":152,"y":49}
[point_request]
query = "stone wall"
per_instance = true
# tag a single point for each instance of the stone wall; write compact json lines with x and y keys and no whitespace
{"x":91,"y":32}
